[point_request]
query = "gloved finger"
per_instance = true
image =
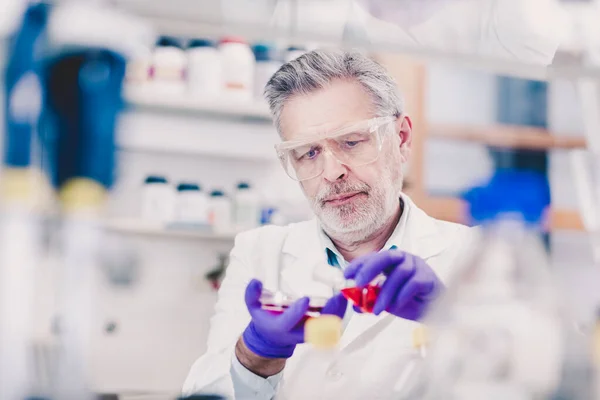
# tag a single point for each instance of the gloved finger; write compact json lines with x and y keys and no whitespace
{"x":413,"y":288}
{"x":377,"y":264}
{"x":356,"y":264}
{"x":336,"y":306}
{"x":253,"y":292}
{"x":392,"y":285}
{"x":290,"y":317}
{"x":357,"y":309}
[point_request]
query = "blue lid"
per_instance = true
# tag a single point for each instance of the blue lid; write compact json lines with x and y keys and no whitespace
{"x":243,"y":185}
{"x":201,"y":43}
{"x":167,"y":41}
{"x":296,"y":48}
{"x":155,"y":179}
{"x":263,"y":52}
{"x":510,"y":191}
{"x":217,"y":193}
{"x":182,"y":187}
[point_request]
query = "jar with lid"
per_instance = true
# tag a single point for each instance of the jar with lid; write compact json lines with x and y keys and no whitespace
{"x":169,"y":63}
{"x":158,"y":200}
{"x":219,"y":216}
{"x":267,"y":63}
{"x":204,"y":68}
{"x":247,"y":212}
{"x":192,"y":204}
{"x":238,"y":68}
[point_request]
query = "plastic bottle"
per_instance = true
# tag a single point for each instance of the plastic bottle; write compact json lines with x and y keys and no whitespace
{"x":238,"y":68}
{"x":322,"y":335}
{"x":204,"y":68}
{"x":158,"y":200}
{"x":266,"y":65}
{"x":498,"y":331}
{"x":169,"y":63}
{"x":139,"y":70}
{"x":192,"y":204}
{"x":247,"y":210}
{"x":219,"y":216}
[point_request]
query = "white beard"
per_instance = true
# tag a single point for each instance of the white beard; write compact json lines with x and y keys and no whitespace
{"x":359,"y":220}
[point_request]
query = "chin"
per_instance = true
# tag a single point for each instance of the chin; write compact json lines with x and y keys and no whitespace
{"x":352,"y":229}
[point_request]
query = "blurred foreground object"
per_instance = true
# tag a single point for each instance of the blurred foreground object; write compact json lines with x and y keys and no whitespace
{"x":500,"y":330}
{"x":85,"y":69}
{"x":21,"y":192}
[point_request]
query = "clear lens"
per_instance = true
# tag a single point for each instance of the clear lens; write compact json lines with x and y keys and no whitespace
{"x":360,"y":147}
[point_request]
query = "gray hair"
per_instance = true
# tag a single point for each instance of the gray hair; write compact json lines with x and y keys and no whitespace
{"x":315,"y":69}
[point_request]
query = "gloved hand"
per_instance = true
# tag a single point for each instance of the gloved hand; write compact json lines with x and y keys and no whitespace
{"x":276,"y":336}
{"x":410,"y":285}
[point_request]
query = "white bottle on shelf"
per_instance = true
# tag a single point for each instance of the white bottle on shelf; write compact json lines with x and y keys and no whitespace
{"x":266,"y":65}
{"x":246,"y":207}
{"x":158,"y":200}
{"x":192,"y":204}
{"x":238,"y":69}
{"x":204,"y":69}
{"x":219,"y":215}
{"x":169,"y":63}
{"x":137,"y":74}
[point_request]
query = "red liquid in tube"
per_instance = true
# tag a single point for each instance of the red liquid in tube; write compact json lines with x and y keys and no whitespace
{"x":363,"y":298}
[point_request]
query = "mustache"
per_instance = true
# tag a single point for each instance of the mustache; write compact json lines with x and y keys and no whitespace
{"x":340,"y":188}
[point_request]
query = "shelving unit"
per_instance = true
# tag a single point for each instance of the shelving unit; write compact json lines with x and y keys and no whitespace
{"x":145,"y":228}
{"x":255,"y":115}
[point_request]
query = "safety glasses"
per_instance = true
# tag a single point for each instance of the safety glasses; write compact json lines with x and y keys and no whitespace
{"x":355,"y":145}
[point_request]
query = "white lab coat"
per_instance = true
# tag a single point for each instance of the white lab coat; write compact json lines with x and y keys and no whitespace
{"x":373,"y":349}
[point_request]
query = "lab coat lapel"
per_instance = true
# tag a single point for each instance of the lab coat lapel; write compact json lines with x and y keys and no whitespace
{"x":422,"y":238}
{"x":302,"y":253}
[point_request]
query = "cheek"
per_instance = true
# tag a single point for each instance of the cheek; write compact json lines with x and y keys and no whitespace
{"x":310,"y":188}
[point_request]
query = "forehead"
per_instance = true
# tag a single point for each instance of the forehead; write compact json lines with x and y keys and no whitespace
{"x":339,"y":104}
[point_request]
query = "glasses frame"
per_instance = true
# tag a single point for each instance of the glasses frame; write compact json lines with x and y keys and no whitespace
{"x":373,"y":125}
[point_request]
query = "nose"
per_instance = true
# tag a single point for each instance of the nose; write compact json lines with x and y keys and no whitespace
{"x":333,"y":169}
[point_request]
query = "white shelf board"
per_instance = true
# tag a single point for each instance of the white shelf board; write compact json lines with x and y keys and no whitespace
{"x":144,"y":98}
{"x":146,"y":130}
{"x":146,"y":228}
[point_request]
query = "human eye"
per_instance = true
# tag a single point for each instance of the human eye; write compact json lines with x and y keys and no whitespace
{"x":307,"y":154}
{"x":354,"y":140}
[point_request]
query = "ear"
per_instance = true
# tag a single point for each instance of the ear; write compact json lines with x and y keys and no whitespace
{"x":404,"y":130}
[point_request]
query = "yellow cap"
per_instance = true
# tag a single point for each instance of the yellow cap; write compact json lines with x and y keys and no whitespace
{"x":19,"y":183}
{"x":80,"y":193}
{"x":596,"y":344}
{"x":324,"y":331}
{"x":420,"y":338}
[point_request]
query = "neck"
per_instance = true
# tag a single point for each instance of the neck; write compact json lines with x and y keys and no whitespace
{"x":375,"y":242}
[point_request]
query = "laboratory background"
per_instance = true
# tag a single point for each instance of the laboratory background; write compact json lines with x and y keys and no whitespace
{"x":118,"y":274}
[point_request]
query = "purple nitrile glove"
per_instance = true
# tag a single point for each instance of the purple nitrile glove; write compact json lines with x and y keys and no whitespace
{"x":410,"y":285}
{"x":276,"y":336}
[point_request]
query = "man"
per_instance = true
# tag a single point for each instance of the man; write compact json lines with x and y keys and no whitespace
{"x":345,"y":138}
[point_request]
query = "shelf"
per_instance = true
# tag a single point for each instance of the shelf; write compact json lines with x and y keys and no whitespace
{"x":146,"y":99}
{"x":516,"y":137}
{"x":452,"y":209}
{"x":506,"y":136}
{"x":145,"y":228}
